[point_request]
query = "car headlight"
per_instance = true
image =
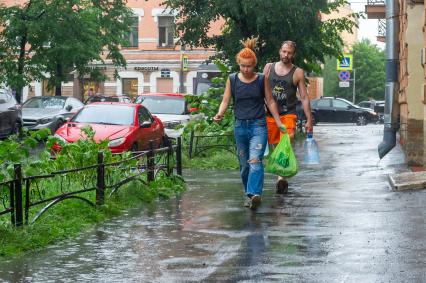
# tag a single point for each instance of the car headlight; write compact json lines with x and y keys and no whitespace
{"x":116,"y":142}
{"x":45,"y":120}
{"x":172,"y":124}
{"x":61,"y":138}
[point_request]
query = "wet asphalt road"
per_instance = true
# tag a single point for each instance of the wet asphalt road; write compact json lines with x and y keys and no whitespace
{"x":340,"y":222}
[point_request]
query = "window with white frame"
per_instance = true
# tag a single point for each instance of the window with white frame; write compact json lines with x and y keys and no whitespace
{"x":133,"y":35}
{"x":165,"y":31}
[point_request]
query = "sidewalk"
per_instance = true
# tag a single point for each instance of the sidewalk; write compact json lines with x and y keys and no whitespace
{"x":340,"y":222}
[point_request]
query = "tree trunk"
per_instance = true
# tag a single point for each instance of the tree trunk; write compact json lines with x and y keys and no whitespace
{"x":21,"y":64}
{"x":58,"y":88}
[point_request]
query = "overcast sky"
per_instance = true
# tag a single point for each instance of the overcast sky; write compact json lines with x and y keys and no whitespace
{"x":367,"y":28}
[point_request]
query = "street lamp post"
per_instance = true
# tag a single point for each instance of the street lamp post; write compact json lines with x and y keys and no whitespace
{"x":353,"y":87}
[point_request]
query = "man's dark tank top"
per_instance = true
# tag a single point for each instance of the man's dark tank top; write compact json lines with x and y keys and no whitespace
{"x":249,"y":100}
{"x":283,"y":91}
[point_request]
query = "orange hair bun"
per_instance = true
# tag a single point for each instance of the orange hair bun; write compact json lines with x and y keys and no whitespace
{"x":248,"y":51}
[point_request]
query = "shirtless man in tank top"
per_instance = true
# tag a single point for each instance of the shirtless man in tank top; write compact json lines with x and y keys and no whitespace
{"x":285,"y":80}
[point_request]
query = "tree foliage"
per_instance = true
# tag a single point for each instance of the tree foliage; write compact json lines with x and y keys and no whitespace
{"x":273,"y":21}
{"x":369,"y":62}
{"x":62,"y":36}
{"x":17,"y":26}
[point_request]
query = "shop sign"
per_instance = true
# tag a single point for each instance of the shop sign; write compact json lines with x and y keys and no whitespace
{"x":146,"y":69}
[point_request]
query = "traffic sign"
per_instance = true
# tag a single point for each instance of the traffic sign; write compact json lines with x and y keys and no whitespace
{"x":185,"y":63}
{"x":343,"y":84}
{"x":346,"y":63}
{"x":344,"y":76}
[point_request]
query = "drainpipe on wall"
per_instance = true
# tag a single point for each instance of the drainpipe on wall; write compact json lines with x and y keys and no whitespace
{"x":391,"y":113}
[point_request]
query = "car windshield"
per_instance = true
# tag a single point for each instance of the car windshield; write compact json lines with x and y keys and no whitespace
{"x":45,"y":103}
{"x":202,"y":87}
{"x":106,"y":114}
{"x":163,"y":104}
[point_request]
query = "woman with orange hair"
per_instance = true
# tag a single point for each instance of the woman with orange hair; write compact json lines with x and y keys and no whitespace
{"x":249,"y":93}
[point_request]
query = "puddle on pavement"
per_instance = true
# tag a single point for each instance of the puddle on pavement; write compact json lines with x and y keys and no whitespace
{"x":323,"y":226}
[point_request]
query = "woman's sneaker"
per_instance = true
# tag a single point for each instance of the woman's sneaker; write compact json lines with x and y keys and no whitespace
{"x":282,"y":187}
{"x":255,"y":201}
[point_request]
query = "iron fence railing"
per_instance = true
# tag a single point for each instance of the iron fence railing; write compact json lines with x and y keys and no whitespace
{"x":202,"y":143}
{"x":382,"y":27}
{"x":73,"y":184}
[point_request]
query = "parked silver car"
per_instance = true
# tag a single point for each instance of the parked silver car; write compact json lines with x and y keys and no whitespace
{"x":49,"y":111}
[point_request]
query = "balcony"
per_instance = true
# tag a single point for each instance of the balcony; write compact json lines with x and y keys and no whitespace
{"x":382,"y":31}
{"x":375,"y":9}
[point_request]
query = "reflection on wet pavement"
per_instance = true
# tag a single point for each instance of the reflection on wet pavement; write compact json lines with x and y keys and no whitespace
{"x":340,"y":222}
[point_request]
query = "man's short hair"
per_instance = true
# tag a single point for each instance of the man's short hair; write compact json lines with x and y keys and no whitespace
{"x":291,"y":43}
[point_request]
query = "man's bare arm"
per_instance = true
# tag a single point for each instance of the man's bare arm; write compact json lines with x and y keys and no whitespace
{"x":300,"y":82}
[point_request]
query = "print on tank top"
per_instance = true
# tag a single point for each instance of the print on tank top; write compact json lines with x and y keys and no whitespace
{"x":280,"y":93}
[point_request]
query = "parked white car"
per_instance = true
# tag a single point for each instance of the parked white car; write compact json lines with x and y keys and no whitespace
{"x":171,"y":109}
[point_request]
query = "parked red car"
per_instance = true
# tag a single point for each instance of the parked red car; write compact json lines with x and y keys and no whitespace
{"x":128,"y":127}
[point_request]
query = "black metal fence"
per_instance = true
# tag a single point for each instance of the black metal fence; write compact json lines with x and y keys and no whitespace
{"x":202,"y":143}
{"x":102,"y":178}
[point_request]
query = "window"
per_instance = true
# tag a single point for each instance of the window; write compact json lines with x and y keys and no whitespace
{"x":165,"y":31}
{"x":90,"y":88}
{"x":106,"y":114}
{"x":163,"y":104}
{"x":45,"y":90}
{"x":323,"y":103}
{"x":340,"y":104}
{"x":144,"y":115}
{"x":130,"y":87}
{"x":165,"y":73}
{"x":133,"y":36}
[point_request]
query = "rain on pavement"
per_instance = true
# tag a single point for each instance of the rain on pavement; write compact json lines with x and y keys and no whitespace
{"x":340,"y":222}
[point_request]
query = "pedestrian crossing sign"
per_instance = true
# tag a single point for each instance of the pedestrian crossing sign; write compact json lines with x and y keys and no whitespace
{"x":346,"y":63}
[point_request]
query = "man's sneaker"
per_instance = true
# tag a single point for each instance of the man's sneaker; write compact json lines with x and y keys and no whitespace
{"x":282,"y":187}
{"x":255,"y":201}
{"x":247,"y":203}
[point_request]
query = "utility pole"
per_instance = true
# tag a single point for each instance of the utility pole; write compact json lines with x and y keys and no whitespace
{"x":181,"y":78}
{"x":353,"y":87}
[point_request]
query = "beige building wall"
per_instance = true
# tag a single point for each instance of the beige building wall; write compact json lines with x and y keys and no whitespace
{"x":348,"y":38}
{"x":411,"y":79}
{"x":414,"y":67}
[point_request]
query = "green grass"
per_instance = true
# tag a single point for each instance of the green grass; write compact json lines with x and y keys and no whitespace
{"x":213,"y":159}
{"x":71,"y":217}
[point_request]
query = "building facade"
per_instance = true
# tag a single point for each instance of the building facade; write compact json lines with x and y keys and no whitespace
{"x":411,"y":75}
{"x":154,"y":62}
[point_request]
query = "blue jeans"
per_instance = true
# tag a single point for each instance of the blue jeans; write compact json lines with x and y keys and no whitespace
{"x":251,"y":138}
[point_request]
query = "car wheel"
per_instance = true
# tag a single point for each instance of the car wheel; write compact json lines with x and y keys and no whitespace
{"x":134,"y":148}
{"x":361,"y":120}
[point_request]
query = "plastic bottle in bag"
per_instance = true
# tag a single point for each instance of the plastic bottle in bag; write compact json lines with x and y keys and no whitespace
{"x":310,"y":149}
